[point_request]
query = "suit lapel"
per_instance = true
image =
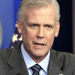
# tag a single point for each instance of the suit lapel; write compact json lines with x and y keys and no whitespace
{"x":16,"y":62}
{"x":55,"y":64}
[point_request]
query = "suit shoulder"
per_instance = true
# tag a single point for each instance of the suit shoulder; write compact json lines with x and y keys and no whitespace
{"x":5,"y":51}
{"x":66,"y":58}
{"x":64,"y":54}
{"x":5,"y":54}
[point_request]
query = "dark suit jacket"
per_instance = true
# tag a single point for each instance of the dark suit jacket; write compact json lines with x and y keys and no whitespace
{"x":12,"y":63}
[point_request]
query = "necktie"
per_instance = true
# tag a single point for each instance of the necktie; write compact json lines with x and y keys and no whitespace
{"x":36,"y":68}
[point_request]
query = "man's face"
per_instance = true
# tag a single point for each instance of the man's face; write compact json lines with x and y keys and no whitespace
{"x":39,"y":30}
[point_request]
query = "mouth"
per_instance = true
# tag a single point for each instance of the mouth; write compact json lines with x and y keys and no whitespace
{"x":39,"y":44}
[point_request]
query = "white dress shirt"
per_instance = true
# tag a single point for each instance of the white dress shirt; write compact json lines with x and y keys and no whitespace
{"x":30,"y":62}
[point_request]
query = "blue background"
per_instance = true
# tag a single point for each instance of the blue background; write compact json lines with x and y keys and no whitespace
{"x":8,"y":17}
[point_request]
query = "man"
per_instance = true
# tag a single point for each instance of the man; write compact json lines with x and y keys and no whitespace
{"x":38,"y":23}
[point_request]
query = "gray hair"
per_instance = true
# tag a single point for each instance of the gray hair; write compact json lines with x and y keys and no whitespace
{"x":36,"y":3}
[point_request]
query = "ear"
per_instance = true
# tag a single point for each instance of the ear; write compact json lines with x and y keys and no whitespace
{"x":19,"y":26}
{"x":57,"y":28}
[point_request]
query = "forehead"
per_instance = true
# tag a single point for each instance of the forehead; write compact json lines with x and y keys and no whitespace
{"x":45,"y":9}
{"x":45,"y":13}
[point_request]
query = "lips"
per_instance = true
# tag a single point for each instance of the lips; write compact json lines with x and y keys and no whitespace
{"x":39,"y":44}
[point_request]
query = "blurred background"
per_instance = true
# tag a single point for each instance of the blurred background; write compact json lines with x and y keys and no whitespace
{"x":8,"y":17}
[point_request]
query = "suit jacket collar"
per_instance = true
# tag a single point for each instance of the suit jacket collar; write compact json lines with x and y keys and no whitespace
{"x":55,"y":64}
{"x":16,"y":62}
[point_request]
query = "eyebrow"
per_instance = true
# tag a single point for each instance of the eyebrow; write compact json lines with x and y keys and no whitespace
{"x":39,"y":24}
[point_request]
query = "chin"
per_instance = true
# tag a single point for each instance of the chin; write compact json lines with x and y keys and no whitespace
{"x":40,"y":55}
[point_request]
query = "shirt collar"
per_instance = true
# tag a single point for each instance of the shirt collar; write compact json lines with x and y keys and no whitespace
{"x":44,"y":63}
{"x":30,"y":62}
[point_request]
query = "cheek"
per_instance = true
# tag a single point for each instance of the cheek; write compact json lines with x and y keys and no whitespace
{"x":29,"y":35}
{"x":50,"y":35}
{"x":50,"y":38}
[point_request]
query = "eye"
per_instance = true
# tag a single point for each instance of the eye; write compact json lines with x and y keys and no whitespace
{"x":49,"y":26}
{"x":33,"y":25}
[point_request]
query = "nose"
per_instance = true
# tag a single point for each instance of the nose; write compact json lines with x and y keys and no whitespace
{"x":40,"y":33}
